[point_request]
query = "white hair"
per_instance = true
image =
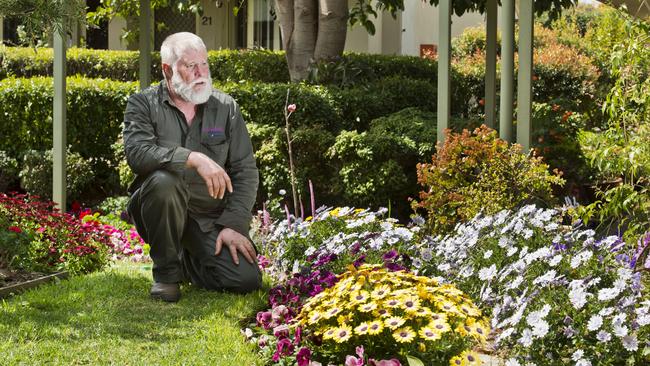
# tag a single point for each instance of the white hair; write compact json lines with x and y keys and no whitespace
{"x":175,"y":45}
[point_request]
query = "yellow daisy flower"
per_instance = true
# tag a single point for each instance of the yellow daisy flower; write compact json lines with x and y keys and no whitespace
{"x":422,"y":312}
{"x":375,"y":327}
{"x":315,"y":316}
{"x":410,"y":303}
{"x":469,"y":310}
{"x":392,"y":303}
{"x":463,"y":329}
{"x":331,"y":302}
{"x":457,"y":361}
{"x":471,"y":358}
{"x":368,"y":307}
{"x":332,"y":312}
{"x":480,"y":331}
{"x":380,"y":292}
{"x":382,"y":313}
{"x":362,"y":328}
{"x":440,"y":327}
{"x":342,"y":333}
{"x":429,"y":334}
{"x":404,"y":335}
{"x":359,"y":297}
{"x":394,"y":322}
{"x":329,"y":333}
{"x":438,"y":317}
{"x":449,"y":307}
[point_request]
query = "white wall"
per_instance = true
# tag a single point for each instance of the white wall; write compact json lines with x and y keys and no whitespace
{"x":115,"y":27}
{"x":420,"y":25}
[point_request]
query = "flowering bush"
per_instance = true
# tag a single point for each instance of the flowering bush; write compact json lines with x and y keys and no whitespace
{"x":125,"y":242}
{"x":391,"y":314}
{"x":335,"y":238}
{"x":476,"y":171}
{"x":36,"y":236}
{"x":57,"y":241}
{"x":557,"y":294}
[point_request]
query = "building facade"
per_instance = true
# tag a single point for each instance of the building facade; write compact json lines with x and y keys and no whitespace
{"x":254,"y":26}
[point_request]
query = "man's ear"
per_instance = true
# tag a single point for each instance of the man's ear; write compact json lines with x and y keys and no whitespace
{"x":167,"y":71}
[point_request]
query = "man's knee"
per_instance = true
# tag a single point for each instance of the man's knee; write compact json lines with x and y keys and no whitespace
{"x":161,"y":185}
{"x":242,"y":278}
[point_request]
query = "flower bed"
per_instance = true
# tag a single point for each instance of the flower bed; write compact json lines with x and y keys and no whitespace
{"x":36,"y":237}
{"x":552,"y":293}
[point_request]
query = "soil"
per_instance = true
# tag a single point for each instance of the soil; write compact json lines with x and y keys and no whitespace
{"x":9,"y":277}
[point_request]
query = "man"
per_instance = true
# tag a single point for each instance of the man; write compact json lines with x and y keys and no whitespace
{"x":196,"y":178}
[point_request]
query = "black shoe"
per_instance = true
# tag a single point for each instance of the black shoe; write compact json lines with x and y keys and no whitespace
{"x":169,"y":292}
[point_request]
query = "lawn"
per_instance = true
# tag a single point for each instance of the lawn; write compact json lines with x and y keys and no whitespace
{"x":108,"y":318}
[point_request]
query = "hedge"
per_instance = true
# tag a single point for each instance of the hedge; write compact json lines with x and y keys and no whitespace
{"x":225,"y":65}
{"x":95,"y":114}
{"x":95,"y":109}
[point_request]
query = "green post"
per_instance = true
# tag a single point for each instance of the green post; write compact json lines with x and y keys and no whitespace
{"x":59,"y":124}
{"x":491,"y":64}
{"x":444,"y":66}
{"x":524,"y":80}
{"x":507,"y":68}
{"x":145,"y":43}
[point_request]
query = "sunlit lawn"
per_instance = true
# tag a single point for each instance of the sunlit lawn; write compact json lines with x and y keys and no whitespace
{"x":108,"y":318}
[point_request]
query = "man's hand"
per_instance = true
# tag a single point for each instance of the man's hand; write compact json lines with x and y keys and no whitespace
{"x":216,"y":179}
{"x":236,"y":242}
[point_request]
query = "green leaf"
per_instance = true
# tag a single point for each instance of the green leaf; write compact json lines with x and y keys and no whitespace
{"x":414,"y":361}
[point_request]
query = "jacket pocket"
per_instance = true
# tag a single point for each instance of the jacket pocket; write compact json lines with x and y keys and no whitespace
{"x":216,"y":149}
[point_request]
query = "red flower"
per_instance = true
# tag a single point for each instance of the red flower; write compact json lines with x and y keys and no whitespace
{"x":15,"y":229}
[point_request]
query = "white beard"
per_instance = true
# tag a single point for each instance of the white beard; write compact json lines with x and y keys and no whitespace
{"x":187,"y":92}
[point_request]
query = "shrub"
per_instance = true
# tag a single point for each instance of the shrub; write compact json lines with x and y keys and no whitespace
{"x":36,"y":173}
{"x":95,"y":110}
{"x":8,"y":171}
{"x":377,"y":167}
{"x":383,"y":97}
{"x":555,"y":139}
{"x":477,"y":172}
{"x":225,"y":65}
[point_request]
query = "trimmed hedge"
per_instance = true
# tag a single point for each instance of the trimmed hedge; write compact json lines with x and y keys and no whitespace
{"x":96,"y":106}
{"x":94,"y":114}
{"x":225,"y":65}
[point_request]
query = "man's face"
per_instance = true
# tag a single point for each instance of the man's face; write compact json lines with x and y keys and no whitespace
{"x":191,"y":77}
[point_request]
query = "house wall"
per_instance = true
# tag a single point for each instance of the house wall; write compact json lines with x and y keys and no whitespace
{"x":420,"y":25}
{"x":217,"y":25}
{"x":115,"y":27}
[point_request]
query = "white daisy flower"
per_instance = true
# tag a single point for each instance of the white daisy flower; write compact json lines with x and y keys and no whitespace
{"x":595,"y":322}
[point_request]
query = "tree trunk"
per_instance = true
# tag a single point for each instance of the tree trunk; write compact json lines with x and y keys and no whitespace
{"x":312,"y":30}
{"x":332,"y":29}
{"x":300,"y":52}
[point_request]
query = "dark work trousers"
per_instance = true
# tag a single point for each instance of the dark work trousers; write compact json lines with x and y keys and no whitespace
{"x":180,"y":250}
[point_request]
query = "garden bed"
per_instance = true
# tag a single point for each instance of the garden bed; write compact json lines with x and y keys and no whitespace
{"x":15,"y":281}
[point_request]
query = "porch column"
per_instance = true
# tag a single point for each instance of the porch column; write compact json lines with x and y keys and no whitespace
{"x":507,"y":68}
{"x":444,"y":66}
{"x":59,"y":124}
{"x":524,"y":78}
{"x":145,"y":43}
{"x":491,"y":63}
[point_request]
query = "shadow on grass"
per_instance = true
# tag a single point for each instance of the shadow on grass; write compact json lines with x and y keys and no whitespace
{"x":115,"y":304}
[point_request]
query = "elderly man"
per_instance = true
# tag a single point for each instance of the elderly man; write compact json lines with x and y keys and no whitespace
{"x":196,"y":179}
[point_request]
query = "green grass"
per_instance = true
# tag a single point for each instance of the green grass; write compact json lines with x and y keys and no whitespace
{"x":108,"y":318}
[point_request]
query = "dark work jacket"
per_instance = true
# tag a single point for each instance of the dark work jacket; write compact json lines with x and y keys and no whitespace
{"x":156,"y":136}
